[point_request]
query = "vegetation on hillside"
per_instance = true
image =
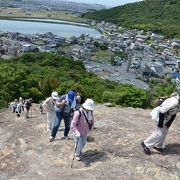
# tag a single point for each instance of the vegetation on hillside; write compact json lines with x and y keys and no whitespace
{"x":36,"y":75}
{"x":159,"y":16}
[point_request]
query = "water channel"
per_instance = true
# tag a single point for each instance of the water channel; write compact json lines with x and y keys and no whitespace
{"x":63,"y":30}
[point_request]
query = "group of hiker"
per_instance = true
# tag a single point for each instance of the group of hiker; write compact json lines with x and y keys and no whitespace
{"x":17,"y":106}
{"x":79,"y":118}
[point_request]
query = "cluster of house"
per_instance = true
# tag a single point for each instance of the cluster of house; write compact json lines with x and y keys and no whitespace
{"x":153,"y":55}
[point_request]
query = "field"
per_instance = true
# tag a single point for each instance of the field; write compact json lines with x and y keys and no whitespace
{"x":6,"y":13}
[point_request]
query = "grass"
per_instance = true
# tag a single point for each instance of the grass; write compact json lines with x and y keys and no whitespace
{"x":102,"y":56}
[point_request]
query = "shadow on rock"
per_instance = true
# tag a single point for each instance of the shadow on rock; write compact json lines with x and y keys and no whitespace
{"x":172,"y":149}
{"x":92,"y":156}
{"x":90,"y":139}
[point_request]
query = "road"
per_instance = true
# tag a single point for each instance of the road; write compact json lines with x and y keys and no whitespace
{"x":119,"y":74}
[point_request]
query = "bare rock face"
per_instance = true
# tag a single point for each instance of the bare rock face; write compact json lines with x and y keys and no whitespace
{"x":113,"y":150}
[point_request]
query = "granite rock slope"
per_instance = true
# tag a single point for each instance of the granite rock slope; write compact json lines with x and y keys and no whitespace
{"x":113,"y":150}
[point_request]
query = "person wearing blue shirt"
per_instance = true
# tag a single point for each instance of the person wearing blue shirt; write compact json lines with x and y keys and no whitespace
{"x":65,"y":106}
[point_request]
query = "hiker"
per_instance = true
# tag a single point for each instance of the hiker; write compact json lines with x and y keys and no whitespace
{"x":78,"y":102}
{"x":41,"y":107}
{"x":82,"y":123}
{"x":65,"y":106}
{"x":22,"y":102}
{"x":163,"y":116}
{"x":27,"y":107}
{"x":10,"y":104}
{"x":18,"y":108}
{"x":14,"y":105}
{"x":48,"y":105}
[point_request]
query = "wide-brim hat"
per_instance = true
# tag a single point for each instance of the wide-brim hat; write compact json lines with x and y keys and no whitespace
{"x":88,"y":104}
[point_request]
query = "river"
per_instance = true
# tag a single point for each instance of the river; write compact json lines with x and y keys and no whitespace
{"x":63,"y":30}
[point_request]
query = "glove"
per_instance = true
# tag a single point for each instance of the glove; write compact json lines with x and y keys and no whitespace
{"x":78,"y":135}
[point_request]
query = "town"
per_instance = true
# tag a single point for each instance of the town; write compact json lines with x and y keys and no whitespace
{"x":121,"y":55}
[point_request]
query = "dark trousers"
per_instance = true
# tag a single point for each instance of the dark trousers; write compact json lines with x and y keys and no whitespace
{"x":59,"y":117}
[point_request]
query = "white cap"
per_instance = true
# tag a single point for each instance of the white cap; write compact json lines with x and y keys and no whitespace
{"x":54,"y":95}
{"x":88,"y":104}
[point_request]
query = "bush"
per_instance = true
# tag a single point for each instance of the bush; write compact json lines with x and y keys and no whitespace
{"x":35,"y":94}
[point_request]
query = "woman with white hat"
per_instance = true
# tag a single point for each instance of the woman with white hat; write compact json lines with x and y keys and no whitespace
{"x":81,"y":124}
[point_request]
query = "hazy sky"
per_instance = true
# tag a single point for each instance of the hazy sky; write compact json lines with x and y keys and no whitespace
{"x":109,"y":3}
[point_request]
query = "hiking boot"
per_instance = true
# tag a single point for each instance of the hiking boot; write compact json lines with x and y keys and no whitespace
{"x":158,"y":149}
{"x":51,"y":139}
{"x":78,"y":158}
{"x":146,"y":149}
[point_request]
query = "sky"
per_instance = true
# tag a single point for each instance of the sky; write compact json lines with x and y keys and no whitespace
{"x":108,"y":3}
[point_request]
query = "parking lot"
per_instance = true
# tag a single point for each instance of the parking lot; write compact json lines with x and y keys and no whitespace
{"x":116,"y":73}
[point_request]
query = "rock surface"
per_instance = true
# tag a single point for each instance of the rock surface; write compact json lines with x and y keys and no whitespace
{"x":113,"y":150}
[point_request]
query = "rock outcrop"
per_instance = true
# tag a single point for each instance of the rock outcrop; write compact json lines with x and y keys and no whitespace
{"x":113,"y":150}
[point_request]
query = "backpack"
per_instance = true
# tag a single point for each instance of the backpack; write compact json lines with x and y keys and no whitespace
{"x":159,"y":101}
{"x":89,"y":124}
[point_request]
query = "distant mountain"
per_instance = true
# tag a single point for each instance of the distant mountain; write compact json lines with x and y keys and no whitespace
{"x":69,"y":3}
{"x":160,"y":16}
{"x":53,"y":4}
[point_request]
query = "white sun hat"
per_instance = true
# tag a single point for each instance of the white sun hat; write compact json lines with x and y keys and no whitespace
{"x":54,"y":95}
{"x":88,"y":104}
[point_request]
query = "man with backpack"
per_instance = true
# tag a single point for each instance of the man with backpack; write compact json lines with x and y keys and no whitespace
{"x":81,"y":124}
{"x":65,"y":106}
{"x":163,"y":116}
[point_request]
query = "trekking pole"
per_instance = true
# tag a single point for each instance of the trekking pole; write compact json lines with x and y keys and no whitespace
{"x":74,"y":152}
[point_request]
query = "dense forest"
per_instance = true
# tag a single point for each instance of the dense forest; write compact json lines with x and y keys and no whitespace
{"x":36,"y":75}
{"x":159,"y":16}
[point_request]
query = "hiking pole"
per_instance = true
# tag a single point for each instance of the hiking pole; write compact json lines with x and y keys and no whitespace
{"x":74,"y":152}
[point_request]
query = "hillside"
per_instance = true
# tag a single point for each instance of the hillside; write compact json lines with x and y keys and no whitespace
{"x":113,"y":150}
{"x":36,"y":75}
{"x":160,"y":16}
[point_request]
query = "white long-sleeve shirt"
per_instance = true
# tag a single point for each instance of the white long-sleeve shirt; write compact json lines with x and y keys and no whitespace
{"x":48,"y":105}
{"x":170,"y":104}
